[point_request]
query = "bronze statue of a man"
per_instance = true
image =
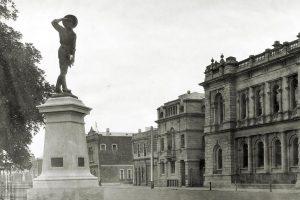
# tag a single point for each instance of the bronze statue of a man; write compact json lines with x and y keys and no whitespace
{"x":66,"y":51}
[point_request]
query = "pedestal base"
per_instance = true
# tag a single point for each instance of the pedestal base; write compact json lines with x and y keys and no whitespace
{"x":65,"y":194}
{"x":66,"y":182}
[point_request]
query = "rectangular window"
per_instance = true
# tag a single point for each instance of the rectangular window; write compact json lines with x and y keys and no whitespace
{"x":134,"y":148}
{"x":138,"y":150}
{"x":172,"y":167}
{"x":258,"y":96}
{"x":162,"y":167}
{"x":293,"y":90}
{"x":162,"y":144}
{"x":243,"y":105}
{"x":182,"y":141}
{"x":145,"y":152}
{"x":91,"y":154}
{"x":114,"y":147}
{"x":80,"y":162}
{"x":121,"y":174}
{"x":129,"y":174}
{"x":102,"y":147}
{"x":57,"y":162}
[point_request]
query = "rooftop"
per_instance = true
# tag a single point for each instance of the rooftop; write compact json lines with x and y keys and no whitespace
{"x":187,"y":96}
{"x":108,"y":133}
{"x":279,"y":51}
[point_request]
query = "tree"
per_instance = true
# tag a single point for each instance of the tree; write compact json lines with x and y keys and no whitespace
{"x":22,"y":88}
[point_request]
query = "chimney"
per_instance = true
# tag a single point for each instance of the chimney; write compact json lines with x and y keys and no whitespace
{"x":107,"y":131}
{"x":139,"y":130}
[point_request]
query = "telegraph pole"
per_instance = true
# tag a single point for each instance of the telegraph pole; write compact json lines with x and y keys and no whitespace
{"x":151,"y":158}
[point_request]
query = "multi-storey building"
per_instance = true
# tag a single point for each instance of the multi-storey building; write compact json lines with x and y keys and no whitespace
{"x":252,"y":118}
{"x":181,"y":141}
{"x":110,"y":156}
{"x":141,"y":144}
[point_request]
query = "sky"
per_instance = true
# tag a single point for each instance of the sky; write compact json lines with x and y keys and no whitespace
{"x":132,"y":56}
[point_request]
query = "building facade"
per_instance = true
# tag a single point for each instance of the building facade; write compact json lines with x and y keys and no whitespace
{"x":141,"y":145}
{"x":252,"y":123}
{"x":110,"y":156}
{"x":181,"y":141}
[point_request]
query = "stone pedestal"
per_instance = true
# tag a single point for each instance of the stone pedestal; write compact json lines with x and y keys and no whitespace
{"x":65,"y":167}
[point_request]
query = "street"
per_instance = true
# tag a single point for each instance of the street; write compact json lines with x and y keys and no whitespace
{"x":144,"y":193}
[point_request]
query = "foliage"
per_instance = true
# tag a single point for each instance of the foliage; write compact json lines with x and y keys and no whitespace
{"x":22,"y":88}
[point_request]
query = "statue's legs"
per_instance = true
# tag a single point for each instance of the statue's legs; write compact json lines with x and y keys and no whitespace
{"x":58,"y":84}
{"x":61,"y":80}
{"x":63,"y":73}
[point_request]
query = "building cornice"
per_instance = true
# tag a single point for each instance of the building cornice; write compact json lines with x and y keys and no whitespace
{"x":180,"y":116}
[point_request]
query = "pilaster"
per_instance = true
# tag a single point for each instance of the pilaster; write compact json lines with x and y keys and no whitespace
{"x":266,"y":154}
{"x":251,"y":105}
{"x":268,"y":102}
{"x":250,"y":153}
{"x":285,"y":97}
{"x":298,"y":69}
{"x":283,"y":152}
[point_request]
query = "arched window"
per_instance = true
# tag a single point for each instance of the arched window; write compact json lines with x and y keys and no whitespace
{"x":203,"y":108}
{"x":243,"y":104}
{"x":219,"y":108}
{"x":218,"y":162}
{"x":275,"y":98}
{"x":295,"y":152}
{"x":258,"y":102}
{"x":245,"y":155}
{"x":260,"y":154}
{"x":277,"y":153}
{"x":161,"y":115}
{"x":294,"y":92}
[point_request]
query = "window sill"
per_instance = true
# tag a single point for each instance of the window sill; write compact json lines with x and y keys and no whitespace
{"x":244,"y":170}
{"x":218,"y":171}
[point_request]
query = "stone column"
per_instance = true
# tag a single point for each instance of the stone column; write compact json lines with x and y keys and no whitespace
{"x":238,"y":105}
{"x":283,"y":152}
{"x":280,"y":93}
{"x":247,"y":104}
{"x":266,"y":154}
{"x":208,"y":111}
{"x":268,"y":102}
{"x":250,"y":155}
{"x":298,"y":174}
{"x":251,"y":105}
{"x":285,"y":97}
{"x":298,"y":67}
{"x":166,"y":169}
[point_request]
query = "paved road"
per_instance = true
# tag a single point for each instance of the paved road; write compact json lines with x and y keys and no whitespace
{"x":143,"y":193}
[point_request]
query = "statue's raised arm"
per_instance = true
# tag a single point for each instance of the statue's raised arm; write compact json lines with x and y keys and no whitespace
{"x":66,"y":51}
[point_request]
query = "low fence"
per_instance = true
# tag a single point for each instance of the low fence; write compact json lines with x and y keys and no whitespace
{"x":14,"y":191}
{"x":280,"y":178}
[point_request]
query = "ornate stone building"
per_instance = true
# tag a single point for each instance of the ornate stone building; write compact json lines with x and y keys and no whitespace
{"x":110,"y":156}
{"x":252,"y":123}
{"x":180,"y":141}
{"x":141,"y":144}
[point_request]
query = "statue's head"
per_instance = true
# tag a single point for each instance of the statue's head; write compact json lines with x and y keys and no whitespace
{"x":70,"y":21}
